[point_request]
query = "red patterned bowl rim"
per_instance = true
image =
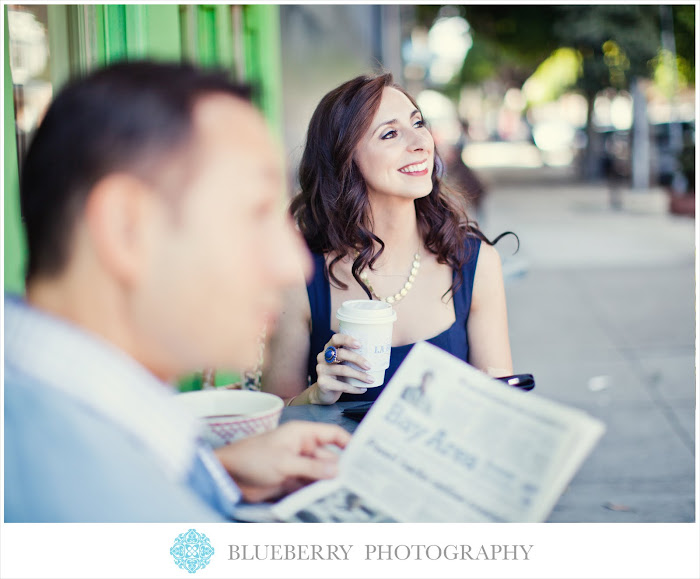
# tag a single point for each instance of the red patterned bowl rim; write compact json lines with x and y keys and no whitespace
{"x":244,"y":418}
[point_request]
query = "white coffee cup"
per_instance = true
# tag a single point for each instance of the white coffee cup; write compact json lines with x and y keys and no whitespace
{"x":371,"y":323}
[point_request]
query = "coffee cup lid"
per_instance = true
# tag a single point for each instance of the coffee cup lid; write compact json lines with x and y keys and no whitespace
{"x":366,"y":312}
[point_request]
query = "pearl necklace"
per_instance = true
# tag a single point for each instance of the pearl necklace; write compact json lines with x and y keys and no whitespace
{"x":404,"y":290}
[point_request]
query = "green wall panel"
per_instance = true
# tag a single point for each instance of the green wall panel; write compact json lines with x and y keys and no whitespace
{"x":224,"y":37}
{"x":263,"y":58}
{"x":112,"y":32}
{"x":137,"y":31}
{"x":84,"y":37}
{"x":206,"y":36}
{"x":161,"y":31}
{"x":13,"y":238}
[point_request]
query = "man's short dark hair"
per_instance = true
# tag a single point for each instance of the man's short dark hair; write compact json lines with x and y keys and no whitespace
{"x":107,"y":122}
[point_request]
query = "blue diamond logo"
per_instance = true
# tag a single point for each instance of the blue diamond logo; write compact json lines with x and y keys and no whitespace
{"x":192,"y":551}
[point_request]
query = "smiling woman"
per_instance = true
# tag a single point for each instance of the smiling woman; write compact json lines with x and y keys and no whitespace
{"x":396,"y":156}
{"x":374,"y":213}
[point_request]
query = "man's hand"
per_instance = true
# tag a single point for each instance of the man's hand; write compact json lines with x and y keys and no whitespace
{"x":276,"y":463}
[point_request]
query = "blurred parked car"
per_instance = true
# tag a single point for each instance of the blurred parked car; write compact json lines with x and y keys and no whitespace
{"x":675,"y":169}
{"x":670,"y":168}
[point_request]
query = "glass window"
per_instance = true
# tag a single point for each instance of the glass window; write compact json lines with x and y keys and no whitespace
{"x":30,"y":66}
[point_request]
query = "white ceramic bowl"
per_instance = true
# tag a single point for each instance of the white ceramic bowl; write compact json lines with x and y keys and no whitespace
{"x":233,"y":414}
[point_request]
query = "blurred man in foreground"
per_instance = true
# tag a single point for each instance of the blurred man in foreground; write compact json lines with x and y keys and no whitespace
{"x":157,"y":244}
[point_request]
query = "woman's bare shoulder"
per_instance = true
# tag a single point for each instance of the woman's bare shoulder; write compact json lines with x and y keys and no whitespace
{"x":489,"y":258}
{"x":488,"y":277}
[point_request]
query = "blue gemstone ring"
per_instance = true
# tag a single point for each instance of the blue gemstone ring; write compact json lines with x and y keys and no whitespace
{"x":331,"y":355}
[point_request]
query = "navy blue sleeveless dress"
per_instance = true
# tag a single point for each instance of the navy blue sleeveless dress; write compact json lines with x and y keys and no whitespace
{"x":452,"y":340}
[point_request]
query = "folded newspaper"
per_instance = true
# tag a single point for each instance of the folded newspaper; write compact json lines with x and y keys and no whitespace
{"x":446,"y":443}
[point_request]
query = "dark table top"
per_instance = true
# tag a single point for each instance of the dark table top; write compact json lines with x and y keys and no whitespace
{"x":319,"y":413}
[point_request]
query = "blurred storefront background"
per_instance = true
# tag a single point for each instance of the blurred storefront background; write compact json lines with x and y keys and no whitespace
{"x":607,"y":90}
{"x":47,"y":45}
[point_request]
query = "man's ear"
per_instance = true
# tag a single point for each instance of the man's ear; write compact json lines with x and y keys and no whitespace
{"x":119,"y":219}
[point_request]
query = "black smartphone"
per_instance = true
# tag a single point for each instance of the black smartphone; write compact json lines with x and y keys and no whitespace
{"x":521,"y":381}
{"x":358,"y":412}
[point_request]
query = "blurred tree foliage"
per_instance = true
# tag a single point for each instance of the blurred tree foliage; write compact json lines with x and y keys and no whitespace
{"x":617,"y":42}
{"x":509,"y":41}
{"x":684,"y":32}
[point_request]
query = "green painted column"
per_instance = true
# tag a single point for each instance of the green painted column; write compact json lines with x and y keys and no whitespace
{"x":224,"y":37}
{"x":207,"y":35}
{"x":137,"y":31}
{"x":263,"y":56}
{"x":110,"y":31}
{"x":14,"y":249}
{"x":161,"y":30}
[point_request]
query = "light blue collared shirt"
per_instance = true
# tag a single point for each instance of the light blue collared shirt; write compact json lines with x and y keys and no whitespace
{"x":92,"y":436}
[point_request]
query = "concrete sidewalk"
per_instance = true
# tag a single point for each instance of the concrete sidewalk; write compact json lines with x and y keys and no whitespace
{"x":601,"y":307}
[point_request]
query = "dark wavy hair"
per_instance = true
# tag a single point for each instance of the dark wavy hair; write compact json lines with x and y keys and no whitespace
{"x":332,"y":209}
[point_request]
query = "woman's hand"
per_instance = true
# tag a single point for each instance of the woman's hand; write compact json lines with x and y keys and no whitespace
{"x":329,"y":387}
{"x":286,"y":372}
